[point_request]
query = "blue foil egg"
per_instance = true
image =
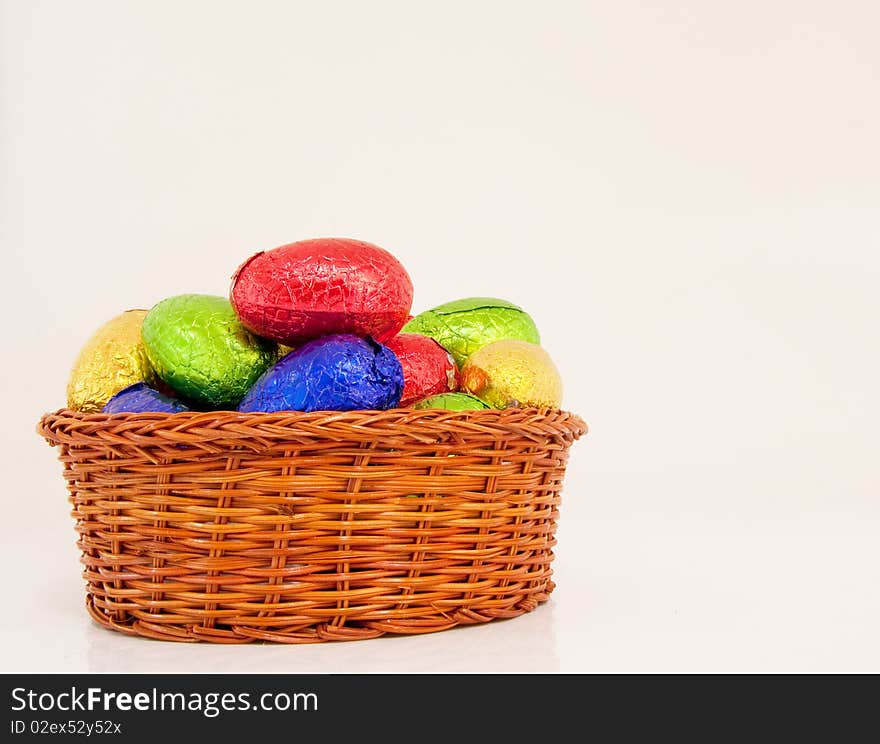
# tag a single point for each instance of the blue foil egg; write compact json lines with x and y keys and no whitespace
{"x":141,"y":398}
{"x":333,"y":373}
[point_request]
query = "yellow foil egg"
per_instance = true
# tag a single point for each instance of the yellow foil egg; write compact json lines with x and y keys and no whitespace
{"x":512,"y":373}
{"x":112,"y":359}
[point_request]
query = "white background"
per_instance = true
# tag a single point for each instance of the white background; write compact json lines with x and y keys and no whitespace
{"x":685,"y":195}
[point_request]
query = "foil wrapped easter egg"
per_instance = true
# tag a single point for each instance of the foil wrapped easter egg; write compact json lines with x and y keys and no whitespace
{"x":428,"y":369}
{"x":301,"y":291}
{"x":112,"y":359}
{"x":333,"y":373}
{"x":513,"y":373}
{"x":452,"y":402}
{"x":141,"y":398}
{"x":463,"y":326}
{"x":200,"y":349}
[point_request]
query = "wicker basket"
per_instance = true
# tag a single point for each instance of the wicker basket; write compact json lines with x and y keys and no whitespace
{"x":304,"y":527}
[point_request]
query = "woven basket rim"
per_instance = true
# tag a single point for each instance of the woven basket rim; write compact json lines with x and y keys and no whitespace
{"x":66,"y":426}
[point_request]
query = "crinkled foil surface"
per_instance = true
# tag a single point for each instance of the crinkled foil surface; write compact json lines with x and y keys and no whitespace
{"x":334,"y":373}
{"x":428,"y":369}
{"x":312,"y":288}
{"x":141,"y":398}
{"x":112,"y":359}
{"x":199,"y":347}
{"x":452,"y":402}
{"x":464,"y":326}
{"x":513,"y":373}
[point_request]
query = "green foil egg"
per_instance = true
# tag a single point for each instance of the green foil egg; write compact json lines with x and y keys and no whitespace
{"x":197,"y":346}
{"x":452,"y":402}
{"x":464,"y":326}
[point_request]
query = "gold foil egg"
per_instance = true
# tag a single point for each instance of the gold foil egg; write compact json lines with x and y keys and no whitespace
{"x":512,"y":373}
{"x":112,"y":359}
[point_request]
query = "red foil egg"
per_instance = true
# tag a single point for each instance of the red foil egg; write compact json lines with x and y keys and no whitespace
{"x":428,"y":369}
{"x":313,"y":288}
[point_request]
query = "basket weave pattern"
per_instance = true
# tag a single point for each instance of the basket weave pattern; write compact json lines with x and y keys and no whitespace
{"x":304,"y":527}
